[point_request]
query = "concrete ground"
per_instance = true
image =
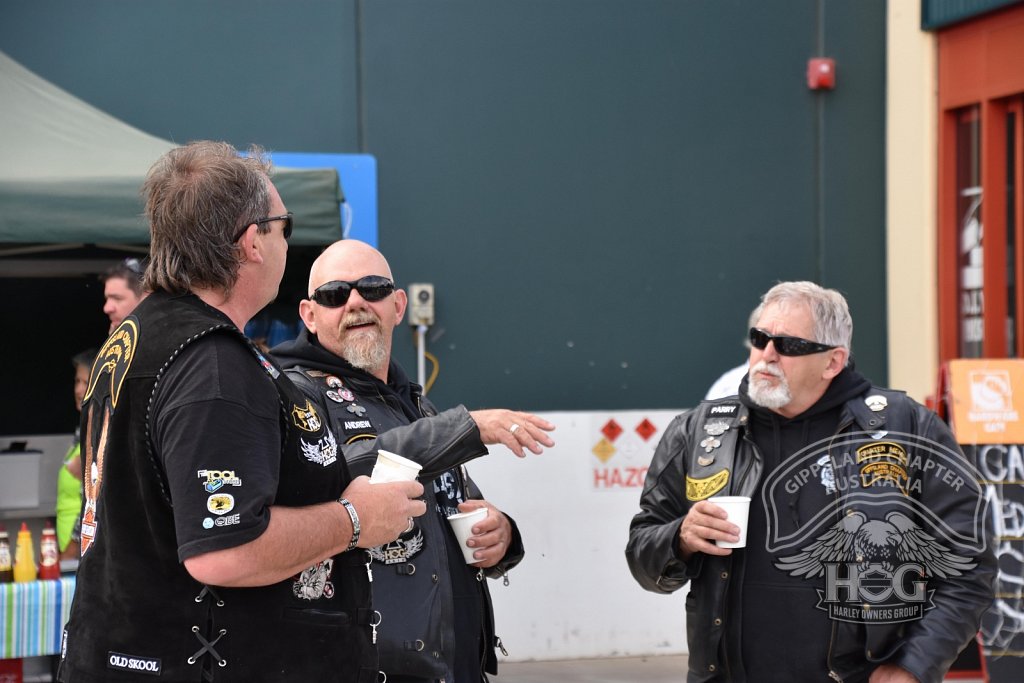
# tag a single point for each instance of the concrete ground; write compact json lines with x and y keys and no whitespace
{"x":663,"y":669}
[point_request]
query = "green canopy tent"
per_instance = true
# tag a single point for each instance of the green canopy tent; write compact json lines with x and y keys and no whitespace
{"x":70,"y":208}
{"x":70,"y":173}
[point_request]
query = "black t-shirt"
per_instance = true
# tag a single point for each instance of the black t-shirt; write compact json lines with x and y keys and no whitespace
{"x":215,"y":422}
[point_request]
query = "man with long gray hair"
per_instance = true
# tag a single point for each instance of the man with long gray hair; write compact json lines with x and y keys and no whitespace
{"x":866,"y":555}
{"x":218,"y":517}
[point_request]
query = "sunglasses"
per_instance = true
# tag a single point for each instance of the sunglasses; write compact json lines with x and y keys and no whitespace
{"x":335,"y":293}
{"x":786,"y":346}
{"x":287,"y":218}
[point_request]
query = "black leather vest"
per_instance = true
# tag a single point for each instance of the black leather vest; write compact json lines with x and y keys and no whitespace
{"x":413,"y":569}
{"x":137,"y":613}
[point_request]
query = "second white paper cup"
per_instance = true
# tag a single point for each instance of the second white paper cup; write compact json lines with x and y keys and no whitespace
{"x":392,"y":467}
{"x":462,"y":524}
{"x":738,"y":509}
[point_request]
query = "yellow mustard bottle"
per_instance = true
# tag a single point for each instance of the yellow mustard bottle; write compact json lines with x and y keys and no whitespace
{"x":24,"y":557}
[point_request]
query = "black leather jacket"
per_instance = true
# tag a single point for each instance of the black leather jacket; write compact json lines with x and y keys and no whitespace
{"x":368,"y":415}
{"x":889,"y":459}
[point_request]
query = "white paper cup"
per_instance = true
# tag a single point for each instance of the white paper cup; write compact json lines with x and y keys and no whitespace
{"x":738,"y":508}
{"x":462,"y":524}
{"x":392,"y":467}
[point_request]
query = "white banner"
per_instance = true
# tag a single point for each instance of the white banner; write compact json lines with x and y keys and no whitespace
{"x":573,"y":596}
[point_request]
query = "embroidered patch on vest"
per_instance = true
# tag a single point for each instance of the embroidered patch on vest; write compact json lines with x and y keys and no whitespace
{"x":884,"y":463}
{"x":323,"y":452}
{"x":306,"y":418}
{"x":882,"y":450}
{"x":134,"y":663}
{"x":399,"y":550}
{"x":699,"y":489}
{"x":314,"y":583}
{"x":725,"y":409}
{"x":114,"y":359}
{"x":111,"y":365}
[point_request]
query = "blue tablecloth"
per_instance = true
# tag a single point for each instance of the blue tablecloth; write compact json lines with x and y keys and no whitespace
{"x":32,"y":617}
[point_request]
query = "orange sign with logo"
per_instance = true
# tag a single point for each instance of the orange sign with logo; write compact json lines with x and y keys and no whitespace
{"x":986,"y":399}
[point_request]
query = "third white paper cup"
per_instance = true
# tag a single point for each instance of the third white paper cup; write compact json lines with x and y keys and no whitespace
{"x":462,"y":524}
{"x":738,"y":509}
{"x":393,"y":467}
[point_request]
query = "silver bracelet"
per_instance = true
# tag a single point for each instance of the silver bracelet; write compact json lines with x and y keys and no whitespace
{"x":355,"y":523}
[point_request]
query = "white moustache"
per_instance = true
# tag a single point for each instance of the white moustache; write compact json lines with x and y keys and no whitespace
{"x":763,"y":366}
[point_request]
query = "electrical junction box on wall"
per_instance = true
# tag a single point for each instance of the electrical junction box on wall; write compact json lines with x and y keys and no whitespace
{"x":421,"y":303}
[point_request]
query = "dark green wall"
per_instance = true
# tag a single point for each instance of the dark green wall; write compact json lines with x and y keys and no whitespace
{"x":598,"y":189}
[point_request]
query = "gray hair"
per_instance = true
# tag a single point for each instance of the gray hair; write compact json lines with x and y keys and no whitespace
{"x":198,"y":198}
{"x":832,"y":322}
{"x":751,"y":322}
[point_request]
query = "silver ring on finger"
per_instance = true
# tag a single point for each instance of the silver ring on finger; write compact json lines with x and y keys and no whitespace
{"x":412,"y":524}
{"x":513,"y":428}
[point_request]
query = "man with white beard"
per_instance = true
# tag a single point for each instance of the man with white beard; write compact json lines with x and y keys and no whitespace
{"x":861,"y":562}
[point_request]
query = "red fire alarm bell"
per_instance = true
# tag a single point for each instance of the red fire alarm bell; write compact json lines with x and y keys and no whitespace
{"x":821,"y":73}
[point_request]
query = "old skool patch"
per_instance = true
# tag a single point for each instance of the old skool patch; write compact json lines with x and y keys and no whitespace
{"x":133,"y":663}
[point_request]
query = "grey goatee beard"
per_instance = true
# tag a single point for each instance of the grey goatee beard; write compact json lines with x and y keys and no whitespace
{"x":369,"y":355}
{"x":365,"y":349}
{"x":764,"y":394}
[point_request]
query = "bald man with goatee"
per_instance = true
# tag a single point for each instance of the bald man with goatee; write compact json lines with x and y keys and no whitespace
{"x":436,"y":620}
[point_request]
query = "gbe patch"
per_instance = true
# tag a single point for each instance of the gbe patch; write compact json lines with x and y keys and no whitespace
{"x":210,"y":522}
